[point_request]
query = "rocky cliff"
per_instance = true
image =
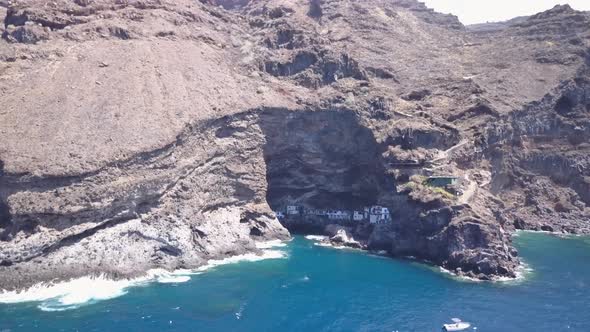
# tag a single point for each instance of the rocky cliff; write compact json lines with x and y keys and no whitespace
{"x":143,"y":134}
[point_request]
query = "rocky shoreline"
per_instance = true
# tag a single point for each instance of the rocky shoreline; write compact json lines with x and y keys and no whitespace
{"x":119,"y":156}
{"x":349,"y":243}
{"x":341,"y":239}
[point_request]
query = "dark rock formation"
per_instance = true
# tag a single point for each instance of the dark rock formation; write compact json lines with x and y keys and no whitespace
{"x":143,"y":134}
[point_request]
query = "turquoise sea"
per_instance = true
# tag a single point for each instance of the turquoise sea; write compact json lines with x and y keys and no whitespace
{"x":304,"y":287}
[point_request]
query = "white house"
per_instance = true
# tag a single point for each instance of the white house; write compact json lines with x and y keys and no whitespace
{"x":292,"y":209}
{"x":379,"y":215}
{"x":316,"y":212}
{"x":358,"y":216}
{"x":338,"y":215}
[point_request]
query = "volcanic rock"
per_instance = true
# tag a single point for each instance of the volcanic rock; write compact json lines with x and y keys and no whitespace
{"x":161,"y":134}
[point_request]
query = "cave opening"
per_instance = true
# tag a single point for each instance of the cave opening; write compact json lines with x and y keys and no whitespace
{"x":5,"y":221}
{"x":321,"y":160}
{"x":564,"y":106}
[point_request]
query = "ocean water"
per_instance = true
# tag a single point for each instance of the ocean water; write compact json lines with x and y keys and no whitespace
{"x":304,"y":287}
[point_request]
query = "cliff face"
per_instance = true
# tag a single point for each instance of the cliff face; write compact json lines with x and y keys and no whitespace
{"x":144,"y":134}
{"x":541,"y":158}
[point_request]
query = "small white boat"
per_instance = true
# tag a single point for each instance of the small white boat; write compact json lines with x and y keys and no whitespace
{"x":457,"y":325}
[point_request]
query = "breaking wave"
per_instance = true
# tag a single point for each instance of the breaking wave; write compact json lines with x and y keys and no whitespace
{"x":316,"y":237}
{"x":71,"y":294}
{"x":519,"y":232}
{"x":522,"y":273}
{"x":320,"y":241}
{"x":75,"y":293}
{"x":266,"y":254}
{"x":271,"y":244}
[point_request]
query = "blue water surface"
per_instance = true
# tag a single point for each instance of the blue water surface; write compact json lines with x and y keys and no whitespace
{"x":324,"y":289}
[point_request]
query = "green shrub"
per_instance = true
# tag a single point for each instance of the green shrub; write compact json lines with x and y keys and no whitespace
{"x":443,"y":192}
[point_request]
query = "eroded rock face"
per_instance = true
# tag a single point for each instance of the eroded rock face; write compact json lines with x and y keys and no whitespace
{"x":145,"y":134}
{"x":547,"y":163}
{"x":173,"y":207}
{"x":322,"y":158}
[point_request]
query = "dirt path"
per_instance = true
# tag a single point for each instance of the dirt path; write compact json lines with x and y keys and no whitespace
{"x":445,"y":154}
{"x":469,"y":192}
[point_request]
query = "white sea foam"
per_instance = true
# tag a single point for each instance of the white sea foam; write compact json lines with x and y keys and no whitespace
{"x":166,"y":277}
{"x":316,"y":237}
{"x":321,"y":241}
{"x":71,"y":294}
{"x":240,"y":312}
{"x":51,"y":307}
{"x":266,"y":254}
{"x":455,"y":276}
{"x":522,"y":272}
{"x":334,"y":246}
{"x":173,"y":279}
{"x":271,"y":244}
{"x":329,"y":245}
{"x":519,"y":232}
{"x":77,"y":292}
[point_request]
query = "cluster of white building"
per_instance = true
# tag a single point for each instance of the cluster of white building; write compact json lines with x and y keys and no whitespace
{"x":375,"y":214}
